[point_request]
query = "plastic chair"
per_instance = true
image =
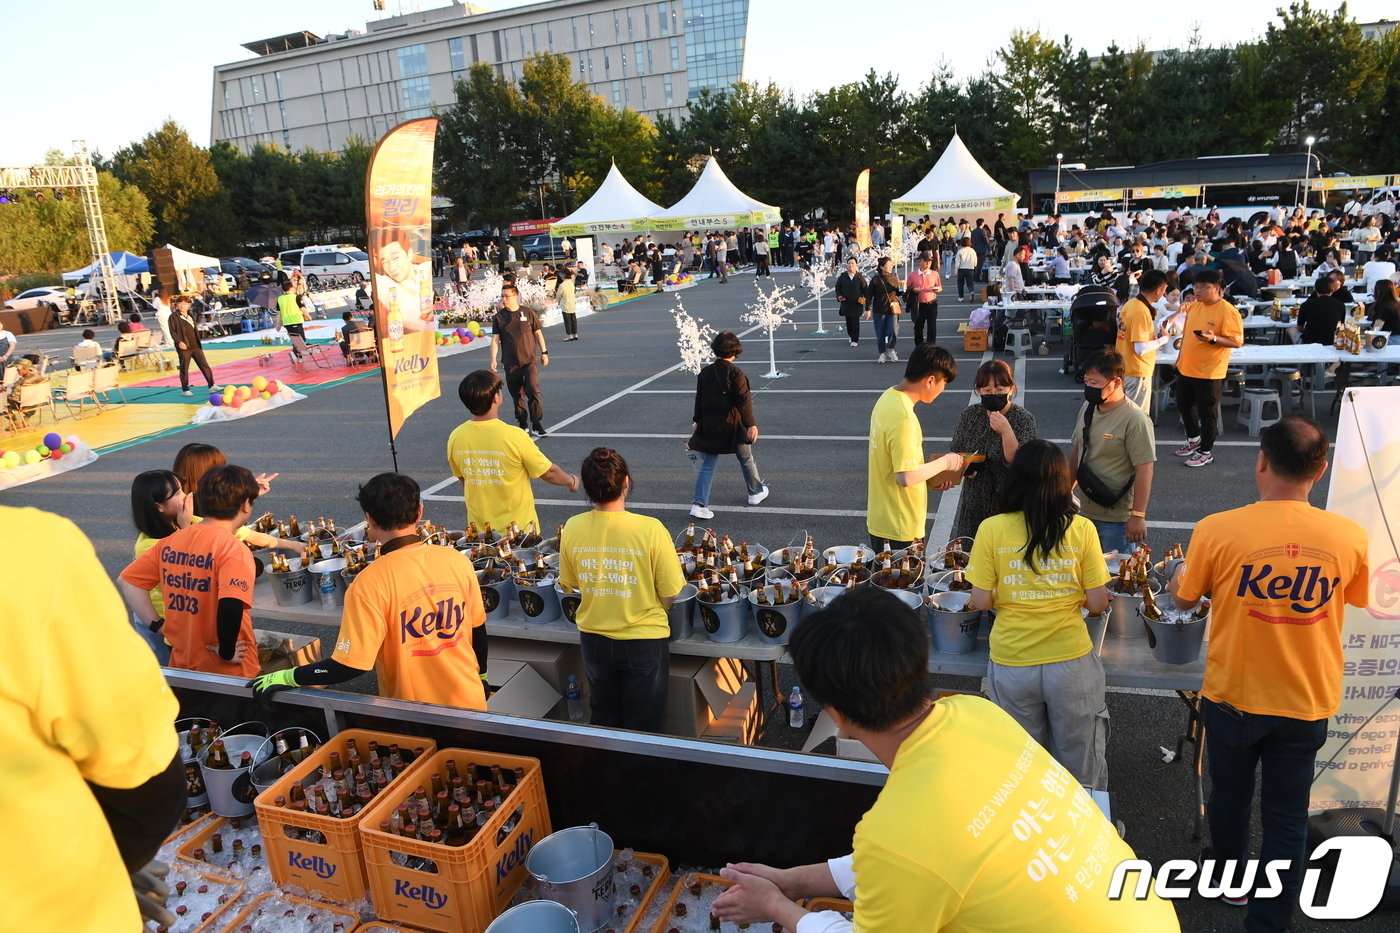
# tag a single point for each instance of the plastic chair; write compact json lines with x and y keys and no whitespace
{"x":1255,"y":410}
{"x":1018,"y":340}
{"x":1286,"y":380}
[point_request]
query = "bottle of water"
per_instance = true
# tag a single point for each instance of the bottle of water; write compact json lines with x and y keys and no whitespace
{"x":795,"y":717}
{"x":328,"y":594}
{"x":575,"y":698}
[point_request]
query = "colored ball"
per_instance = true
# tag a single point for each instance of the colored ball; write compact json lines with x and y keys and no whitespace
{"x":32,"y":457}
{"x":216,"y":399}
{"x":52,"y":439}
{"x":243,"y":392}
{"x":43,"y":450}
{"x":266,"y":395}
{"x":65,"y":447}
{"x":55,"y":456}
{"x":475,"y":329}
{"x":237,"y":401}
{"x":72,"y":439}
{"x":273,"y":386}
{"x":10,"y":459}
{"x":259,"y":383}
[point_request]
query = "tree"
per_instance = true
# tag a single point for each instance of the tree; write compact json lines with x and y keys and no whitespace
{"x":1022,"y":71}
{"x":178,"y":179}
{"x":611,"y":136}
{"x":858,"y":126}
{"x":50,"y":236}
{"x":557,"y":111}
{"x":481,"y":149}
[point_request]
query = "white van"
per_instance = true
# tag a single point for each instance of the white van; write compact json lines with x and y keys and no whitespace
{"x":338,"y":265}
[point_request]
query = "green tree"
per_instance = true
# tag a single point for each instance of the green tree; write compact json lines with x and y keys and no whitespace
{"x":178,"y":178}
{"x":50,"y":236}
{"x":1022,"y":71}
{"x":858,"y":126}
{"x":482,"y":149}
{"x":611,"y":136}
{"x":557,"y":110}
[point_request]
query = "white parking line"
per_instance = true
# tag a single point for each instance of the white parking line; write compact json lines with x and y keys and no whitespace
{"x":685,"y":507}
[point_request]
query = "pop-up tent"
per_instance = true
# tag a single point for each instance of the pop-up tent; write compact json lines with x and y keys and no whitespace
{"x":955,"y":185}
{"x":616,"y":207}
{"x":123,"y":263}
{"x":189,"y":267}
{"x":715,"y":204}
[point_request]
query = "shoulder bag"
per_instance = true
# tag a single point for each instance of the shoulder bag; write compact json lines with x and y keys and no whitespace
{"x":1090,"y":482}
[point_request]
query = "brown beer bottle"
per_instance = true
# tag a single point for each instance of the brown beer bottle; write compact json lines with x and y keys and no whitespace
{"x":1149,"y":605}
{"x":294,"y":526}
{"x":218,"y":757}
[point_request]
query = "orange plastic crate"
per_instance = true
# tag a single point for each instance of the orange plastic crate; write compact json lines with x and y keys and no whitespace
{"x":334,"y":869}
{"x":200,"y":840}
{"x":234,"y":890}
{"x":665,"y":921}
{"x":838,"y":904}
{"x":662,"y":875}
{"x":473,"y":883}
{"x":272,"y":906}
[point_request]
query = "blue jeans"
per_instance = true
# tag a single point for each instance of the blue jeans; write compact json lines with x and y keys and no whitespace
{"x":705,"y":478}
{"x":1113,"y":536}
{"x":154,"y":641}
{"x":884,"y":331}
{"x":626,"y":680}
{"x":1237,"y":745}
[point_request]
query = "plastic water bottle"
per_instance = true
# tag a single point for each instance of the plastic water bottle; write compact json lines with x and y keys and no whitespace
{"x":327,"y":591}
{"x":795,"y":718}
{"x":575,"y":698}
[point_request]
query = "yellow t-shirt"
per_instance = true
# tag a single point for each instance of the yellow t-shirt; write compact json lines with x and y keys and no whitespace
{"x":410,"y":616}
{"x":979,"y":829}
{"x":83,"y":700}
{"x":1201,"y":359}
{"x":143,"y":544}
{"x":896,"y":445}
{"x":1038,"y":618}
{"x":623,"y":565}
{"x":496,"y":462}
{"x":1135,"y":326}
{"x":1278,"y":574}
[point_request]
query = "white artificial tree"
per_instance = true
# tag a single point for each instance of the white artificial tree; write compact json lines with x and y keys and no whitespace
{"x":771,"y":309}
{"x":814,"y":279}
{"x":694,"y":340}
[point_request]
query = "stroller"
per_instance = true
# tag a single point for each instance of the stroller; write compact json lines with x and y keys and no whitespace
{"x":1093,"y":319}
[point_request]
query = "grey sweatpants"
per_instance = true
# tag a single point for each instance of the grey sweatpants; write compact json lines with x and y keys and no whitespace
{"x":1063,"y":707}
{"x":1139,"y":391}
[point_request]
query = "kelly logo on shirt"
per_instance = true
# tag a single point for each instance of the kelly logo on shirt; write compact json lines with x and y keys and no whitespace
{"x":442,"y":621}
{"x":1306,"y":589}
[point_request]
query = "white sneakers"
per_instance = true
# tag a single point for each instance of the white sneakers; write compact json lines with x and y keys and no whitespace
{"x":759,"y":496}
{"x":699,"y":511}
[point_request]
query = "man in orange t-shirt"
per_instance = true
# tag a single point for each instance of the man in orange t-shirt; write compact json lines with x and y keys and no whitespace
{"x":207,"y":577}
{"x":1138,"y":338}
{"x":415,"y":614}
{"x":1213,"y":329}
{"x":1279,"y":573}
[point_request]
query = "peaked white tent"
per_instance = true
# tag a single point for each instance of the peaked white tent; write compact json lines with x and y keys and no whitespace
{"x":616,"y":207}
{"x":714,"y":203}
{"x":189,"y":267}
{"x":955,"y":185}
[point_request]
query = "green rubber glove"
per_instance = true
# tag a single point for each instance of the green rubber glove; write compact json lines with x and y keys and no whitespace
{"x":270,"y":683}
{"x":151,"y":891}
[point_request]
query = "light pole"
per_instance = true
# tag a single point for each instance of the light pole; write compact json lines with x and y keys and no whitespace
{"x":1307,"y":173}
{"x":1059,"y":161}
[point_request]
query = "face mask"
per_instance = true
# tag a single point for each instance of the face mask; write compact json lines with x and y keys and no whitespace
{"x":1094,"y":395}
{"x":994,"y":402}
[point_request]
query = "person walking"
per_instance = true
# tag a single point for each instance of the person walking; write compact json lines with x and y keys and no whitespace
{"x":185,"y":333}
{"x":723,"y":423}
{"x":516,"y":338}
{"x":163,"y":314}
{"x":924,"y":285}
{"x":965,"y":264}
{"x":1279,"y":574}
{"x":1213,"y":328}
{"x":624,"y":567}
{"x":995,"y":428}
{"x":882,"y":303}
{"x":851,"y":288}
{"x":1115,"y":454}
{"x":565,"y":296}
{"x":760,"y":255}
{"x":1036,"y":563}
{"x":721,"y":257}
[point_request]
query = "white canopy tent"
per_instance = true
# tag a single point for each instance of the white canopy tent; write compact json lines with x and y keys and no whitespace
{"x":189,"y":267}
{"x":714,"y":203}
{"x":616,"y":207}
{"x":955,"y":185}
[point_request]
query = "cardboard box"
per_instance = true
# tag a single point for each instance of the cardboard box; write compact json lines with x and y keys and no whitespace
{"x":974,"y":340}
{"x":552,"y":661}
{"x":519,"y":690}
{"x":278,"y":651}
{"x":738,"y":724}
{"x":699,"y":691}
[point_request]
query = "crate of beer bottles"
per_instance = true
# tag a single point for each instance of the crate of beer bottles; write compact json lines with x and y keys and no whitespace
{"x":974,"y":340}
{"x":274,"y":911}
{"x":231,"y":845}
{"x":456,"y":888}
{"x":321,"y":852}
{"x":839,"y":904}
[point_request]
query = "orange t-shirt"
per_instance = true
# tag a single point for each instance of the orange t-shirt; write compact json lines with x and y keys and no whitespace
{"x":1278,"y":574}
{"x":409,"y":615}
{"x":1135,"y":326}
{"x":1201,"y":359}
{"x":195,"y":568}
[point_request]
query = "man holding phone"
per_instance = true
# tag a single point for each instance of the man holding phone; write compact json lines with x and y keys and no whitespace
{"x":1213,"y":328}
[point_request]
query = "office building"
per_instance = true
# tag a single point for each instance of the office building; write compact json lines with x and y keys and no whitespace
{"x":308,"y":91}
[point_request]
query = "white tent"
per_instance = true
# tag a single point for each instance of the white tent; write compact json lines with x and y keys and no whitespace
{"x":715,"y":204}
{"x":616,"y":207}
{"x":189,"y":267}
{"x":955,"y":185}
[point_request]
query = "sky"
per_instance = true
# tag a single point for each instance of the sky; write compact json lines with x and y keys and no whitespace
{"x":112,"y":72}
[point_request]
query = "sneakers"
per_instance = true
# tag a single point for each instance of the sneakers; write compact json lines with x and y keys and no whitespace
{"x":854,"y":344}
{"x":187,"y":392}
{"x":894,"y":357}
{"x":699,"y":511}
{"x":216,"y":388}
{"x":1200,"y":458}
{"x":759,"y":496}
{"x":1233,"y":900}
{"x":883,"y":357}
{"x":538,"y":431}
{"x":1188,"y":448}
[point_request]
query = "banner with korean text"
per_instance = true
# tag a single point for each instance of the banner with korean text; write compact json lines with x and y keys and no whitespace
{"x":863,"y":209}
{"x":1365,"y":487}
{"x":398,"y":216}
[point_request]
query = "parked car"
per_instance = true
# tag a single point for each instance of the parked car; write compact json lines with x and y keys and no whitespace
{"x":257,"y":271}
{"x":338,"y":264}
{"x":542,"y":246}
{"x":31,"y":298}
{"x":290,"y":259}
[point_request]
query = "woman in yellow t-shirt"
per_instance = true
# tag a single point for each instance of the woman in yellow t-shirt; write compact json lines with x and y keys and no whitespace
{"x":159,"y":507}
{"x":625,"y":568}
{"x":1037,"y":563}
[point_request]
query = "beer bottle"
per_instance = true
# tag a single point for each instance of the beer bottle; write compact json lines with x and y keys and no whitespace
{"x":1149,"y":605}
{"x":859,"y":563}
{"x":762,"y":597}
{"x":958,"y":584}
{"x":304,"y":746}
{"x":218,"y":757}
{"x":949,"y":562}
{"x":850,"y":581}
{"x":1201,"y":611}
{"x":831,"y":559}
{"x":216,"y":843}
{"x":1142,"y":577}
{"x":294,"y":526}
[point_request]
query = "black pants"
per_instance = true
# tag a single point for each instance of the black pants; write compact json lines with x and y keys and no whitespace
{"x":1199,"y":403}
{"x":965,"y":286}
{"x":196,"y":354}
{"x":879,"y":545}
{"x":570,"y":323}
{"x":522,"y":384}
{"x":853,"y":327}
{"x":762,"y":265}
{"x":925,"y":315}
{"x":626,"y":680}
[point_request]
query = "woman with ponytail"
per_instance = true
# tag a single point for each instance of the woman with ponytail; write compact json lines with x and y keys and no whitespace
{"x":625,"y":569}
{"x":1038,"y":563}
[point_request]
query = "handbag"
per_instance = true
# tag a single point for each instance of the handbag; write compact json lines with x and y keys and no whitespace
{"x":1090,"y":482}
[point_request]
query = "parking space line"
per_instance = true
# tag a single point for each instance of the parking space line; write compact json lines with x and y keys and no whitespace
{"x":685,"y":507}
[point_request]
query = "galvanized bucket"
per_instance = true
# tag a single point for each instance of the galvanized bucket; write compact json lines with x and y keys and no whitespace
{"x":681,"y":613}
{"x":231,"y":790}
{"x":573,"y":867}
{"x":195,"y":793}
{"x":292,"y":587}
{"x":1174,"y":642}
{"x":499,"y":594}
{"x":952,"y":624}
{"x":332,"y":568}
{"x":837,"y":576}
{"x":1122,"y":614}
{"x":536,"y":917}
{"x":846,"y":554}
{"x":727,"y":621}
{"x":540,"y":603}
{"x":825,"y":594}
{"x":1098,"y":627}
{"x":568,"y":602}
{"x":774,"y":624}
{"x":268,"y":769}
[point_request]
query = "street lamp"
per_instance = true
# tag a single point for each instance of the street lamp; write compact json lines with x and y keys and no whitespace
{"x":1059,"y":161}
{"x":1307,"y":172}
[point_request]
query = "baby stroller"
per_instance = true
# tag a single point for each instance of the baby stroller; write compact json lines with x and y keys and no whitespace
{"x":1093,"y":317}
